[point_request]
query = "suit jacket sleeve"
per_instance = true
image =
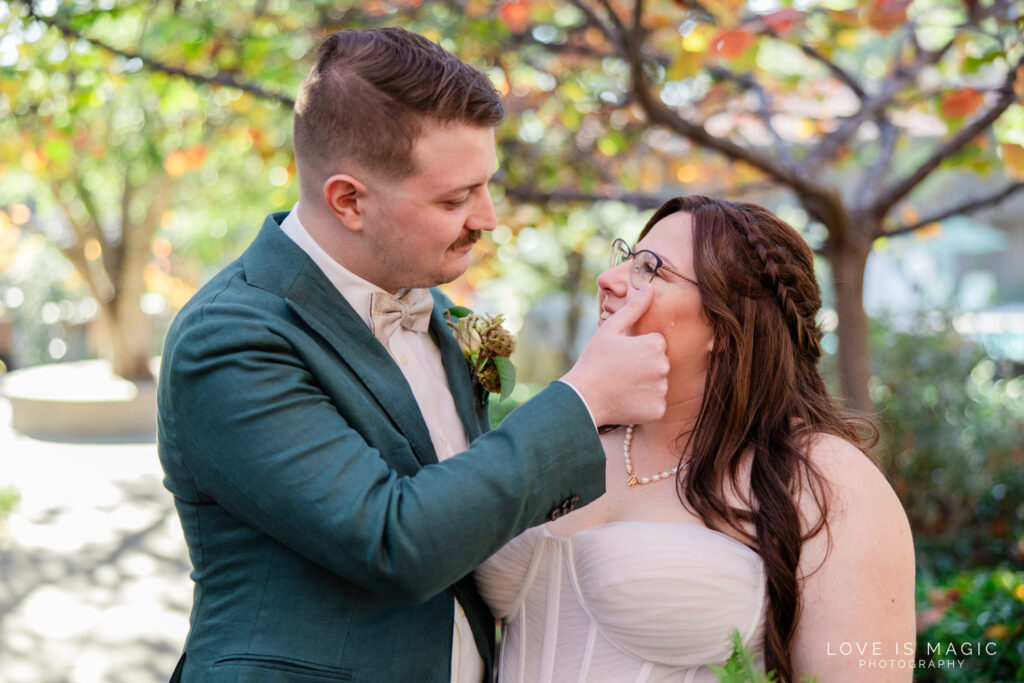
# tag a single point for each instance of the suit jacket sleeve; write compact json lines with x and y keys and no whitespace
{"x":250,"y":428}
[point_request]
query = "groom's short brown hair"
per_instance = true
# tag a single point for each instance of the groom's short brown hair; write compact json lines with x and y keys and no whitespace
{"x":367,"y":98}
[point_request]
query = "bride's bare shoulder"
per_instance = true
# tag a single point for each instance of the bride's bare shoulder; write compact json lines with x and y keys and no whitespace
{"x":859,"y":499}
{"x":844,"y":467}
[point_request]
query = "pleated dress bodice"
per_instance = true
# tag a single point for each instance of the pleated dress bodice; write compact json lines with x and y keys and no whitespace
{"x":623,"y":601}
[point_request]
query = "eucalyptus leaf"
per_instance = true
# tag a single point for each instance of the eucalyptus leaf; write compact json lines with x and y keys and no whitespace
{"x":459,"y":311}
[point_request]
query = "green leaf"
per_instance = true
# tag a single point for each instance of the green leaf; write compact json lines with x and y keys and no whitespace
{"x":8,"y":500}
{"x":57,"y":149}
{"x":740,"y":667}
{"x":459,"y":311}
{"x":507,"y":375}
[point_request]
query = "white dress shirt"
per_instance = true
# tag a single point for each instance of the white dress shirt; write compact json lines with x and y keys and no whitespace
{"x":419,"y":359}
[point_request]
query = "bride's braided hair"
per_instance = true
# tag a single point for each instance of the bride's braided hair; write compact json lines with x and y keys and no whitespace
{"x":763,"y":396}
{"x":782,"y":275}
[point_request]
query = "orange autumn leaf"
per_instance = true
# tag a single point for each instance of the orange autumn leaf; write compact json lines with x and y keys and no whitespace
{"x":929,"y":231}
{"x":515,"y":14}
{"x":731,"y":44}
{"x":727,"y":13}
{"x":848,"y":18}
{"x":195,"y":155}
{"x":885,"y":15}
{"x":960,"y":103}
{"x":162,"y":248}
{"x":176,"y":163}
{"x":1018,"y":83}
{"x":375,"y":8}
{"x":997,"y":631}
{"x":1013,"y":159}
{"x":782,"y":20}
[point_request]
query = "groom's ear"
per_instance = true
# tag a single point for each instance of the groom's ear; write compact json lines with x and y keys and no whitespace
{"x":344,"y":196}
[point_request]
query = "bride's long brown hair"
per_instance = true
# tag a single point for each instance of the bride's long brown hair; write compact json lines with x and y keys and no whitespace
{"x":764,"y":395}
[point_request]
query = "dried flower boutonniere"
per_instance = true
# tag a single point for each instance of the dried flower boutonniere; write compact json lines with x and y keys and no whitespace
{"x":486,"y":345}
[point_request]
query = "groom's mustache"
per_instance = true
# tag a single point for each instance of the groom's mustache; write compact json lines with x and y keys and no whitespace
{"x":468,"y":239}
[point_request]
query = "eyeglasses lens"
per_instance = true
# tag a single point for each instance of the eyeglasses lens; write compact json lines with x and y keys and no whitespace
{"x":620,"y":253}
{"x":644,"y":266}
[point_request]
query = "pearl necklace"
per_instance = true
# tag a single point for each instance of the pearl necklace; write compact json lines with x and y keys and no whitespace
{"x":633,"y":480}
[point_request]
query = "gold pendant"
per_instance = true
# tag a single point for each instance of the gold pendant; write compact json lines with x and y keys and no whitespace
{"x":632,"y":481}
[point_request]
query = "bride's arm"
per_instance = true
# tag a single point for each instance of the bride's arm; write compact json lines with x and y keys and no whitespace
{"x":857,"y":602}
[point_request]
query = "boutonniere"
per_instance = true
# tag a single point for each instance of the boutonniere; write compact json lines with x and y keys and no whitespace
{"x":486,"y":346}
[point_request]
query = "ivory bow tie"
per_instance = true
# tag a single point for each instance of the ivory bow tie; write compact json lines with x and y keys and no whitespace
{"x":411,"y":310}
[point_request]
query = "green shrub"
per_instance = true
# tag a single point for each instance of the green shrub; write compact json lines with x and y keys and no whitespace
{"x":970,"y":630}
{"x":952,"y":424}
{"x":975,"y":620}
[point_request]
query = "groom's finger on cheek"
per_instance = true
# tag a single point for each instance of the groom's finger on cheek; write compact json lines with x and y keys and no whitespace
{"x":640,"y":376}
{"x":651,"y":367}
{"x":623,"y":319}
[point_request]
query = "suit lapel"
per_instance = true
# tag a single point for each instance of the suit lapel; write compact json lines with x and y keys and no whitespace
{"x":312,"y":297}
{"x":455,"y":368}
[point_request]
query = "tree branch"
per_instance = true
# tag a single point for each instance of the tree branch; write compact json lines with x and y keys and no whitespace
{"x":595,"y":21}
{"x":968,"y":206}
{"x":901,"y":188}
{"x":100,"y":290}
{"x":536,"y":195}
{"x":871,"y":107}
{"x":127,"y":196}
{"x":824,"y":202}
{"x":95,"y":227}
{"x":616,"y":20}
{"x":764,"y":111}
{"x":96,"y":278}
{"x":926,"y":95}
{"x":871,"y":185}
{"x":136,"y":244}
{"x":220,"y":78}
{"x":77,"y":260}
{"x":638,"y":17}
{"x":840,"y":73}
{"x":566,"y":48}
{"x":746,"y":189}
{"x":658,"y":113}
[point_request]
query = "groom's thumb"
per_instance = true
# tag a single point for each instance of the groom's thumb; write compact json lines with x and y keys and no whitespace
{"x":624,"y":318}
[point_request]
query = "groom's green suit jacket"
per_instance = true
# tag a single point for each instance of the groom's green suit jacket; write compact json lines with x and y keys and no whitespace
{"x":326,"y":540}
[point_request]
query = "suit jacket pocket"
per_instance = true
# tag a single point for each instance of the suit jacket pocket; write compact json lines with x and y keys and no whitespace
{"x":266,"y":668}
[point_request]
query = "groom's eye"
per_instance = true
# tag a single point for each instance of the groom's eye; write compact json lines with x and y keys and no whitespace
{"x":457,"y":203}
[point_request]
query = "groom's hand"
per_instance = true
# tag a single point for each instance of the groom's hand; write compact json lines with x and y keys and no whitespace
{"x":623,"y":378}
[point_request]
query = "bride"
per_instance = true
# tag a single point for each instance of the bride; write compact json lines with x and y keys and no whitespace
{"x":753,"y":504}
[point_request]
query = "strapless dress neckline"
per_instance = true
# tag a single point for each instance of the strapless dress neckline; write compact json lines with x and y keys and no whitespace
{"x":627,"y":600}
{"x":697,"y":528}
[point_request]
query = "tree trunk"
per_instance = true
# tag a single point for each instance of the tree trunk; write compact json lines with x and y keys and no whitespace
{"x":848,"y":258}
{"x":127,"y":328}
{"x":127,"y":333}
{"x":572,"y":318}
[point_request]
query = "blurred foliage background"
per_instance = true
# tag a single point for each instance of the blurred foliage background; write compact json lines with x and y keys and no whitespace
{"x":141,"y":144}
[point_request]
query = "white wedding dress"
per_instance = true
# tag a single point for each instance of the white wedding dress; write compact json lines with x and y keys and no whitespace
{"x":623,"y":601}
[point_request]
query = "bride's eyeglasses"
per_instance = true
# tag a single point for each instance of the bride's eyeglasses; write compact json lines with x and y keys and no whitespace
{"x":646,"y":264}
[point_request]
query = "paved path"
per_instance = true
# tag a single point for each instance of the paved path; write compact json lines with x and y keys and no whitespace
{"x":93,"y":568}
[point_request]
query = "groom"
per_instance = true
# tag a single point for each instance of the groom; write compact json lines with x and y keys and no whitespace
{"x":332,"y":469}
